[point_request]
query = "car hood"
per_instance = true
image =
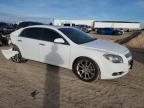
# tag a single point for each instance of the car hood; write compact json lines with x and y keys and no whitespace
{"x":105,"y":46}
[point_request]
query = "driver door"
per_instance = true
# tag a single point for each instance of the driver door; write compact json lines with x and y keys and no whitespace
{"x":54,"y":53}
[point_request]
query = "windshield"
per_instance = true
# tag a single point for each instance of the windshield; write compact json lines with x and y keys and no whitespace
{"x":76,"y":35}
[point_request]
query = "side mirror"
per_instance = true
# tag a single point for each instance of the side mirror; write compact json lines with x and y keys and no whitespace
{"x":59,"y":40}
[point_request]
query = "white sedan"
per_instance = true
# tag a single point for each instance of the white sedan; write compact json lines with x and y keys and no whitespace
{"x":88,"y":57}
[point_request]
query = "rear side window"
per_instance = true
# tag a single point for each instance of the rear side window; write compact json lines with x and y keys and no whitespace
{"x":41,"y":34}
{"x":34,"y":33}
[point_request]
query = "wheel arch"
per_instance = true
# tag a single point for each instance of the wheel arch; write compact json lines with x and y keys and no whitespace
{"x":97,"y":66}
{"x":14,"y":45}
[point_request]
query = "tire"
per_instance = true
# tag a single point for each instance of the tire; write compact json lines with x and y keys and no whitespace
{"x":18,"y":57}
{"x":86,"y":69}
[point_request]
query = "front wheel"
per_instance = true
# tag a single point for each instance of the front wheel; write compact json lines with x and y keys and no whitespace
{"x":86,"y":69}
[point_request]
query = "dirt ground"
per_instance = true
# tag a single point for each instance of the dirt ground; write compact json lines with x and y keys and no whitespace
{"x":57,"y":87}
{"x":137,"y":42}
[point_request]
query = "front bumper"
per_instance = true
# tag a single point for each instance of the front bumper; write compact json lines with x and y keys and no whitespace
{"x":112,"y":70}
{"x":120,"y":73}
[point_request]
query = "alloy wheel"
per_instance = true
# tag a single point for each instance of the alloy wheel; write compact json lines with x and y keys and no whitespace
{"x":86,"y":70}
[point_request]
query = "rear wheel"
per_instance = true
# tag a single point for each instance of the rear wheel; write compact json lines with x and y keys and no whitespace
{"x":86,"y":69}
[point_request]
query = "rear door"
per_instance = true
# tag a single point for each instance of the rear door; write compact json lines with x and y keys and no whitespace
{"x":28,"y":43}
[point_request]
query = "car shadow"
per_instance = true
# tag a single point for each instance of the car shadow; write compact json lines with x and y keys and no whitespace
{"x":52,"y":82}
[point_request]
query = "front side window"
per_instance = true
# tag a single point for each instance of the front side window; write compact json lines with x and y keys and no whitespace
{"x":51,"y":35}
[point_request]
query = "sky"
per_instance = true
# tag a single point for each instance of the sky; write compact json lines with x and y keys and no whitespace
{"x":101,"y":10}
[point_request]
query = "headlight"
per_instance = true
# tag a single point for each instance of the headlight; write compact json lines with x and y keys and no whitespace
{"x":113,"y":58}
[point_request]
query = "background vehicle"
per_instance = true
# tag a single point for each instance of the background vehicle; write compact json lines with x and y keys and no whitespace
{"x":3,"y":40}
{"x":126,"y":25}
{"x":3,"y":27}
{"x":84,"y":28}
{"x":88,"y":57}
{"x":27,"y":23}
{"x":69,"y":24}
{"x":109,"y":31}
{"x":6,"y":28}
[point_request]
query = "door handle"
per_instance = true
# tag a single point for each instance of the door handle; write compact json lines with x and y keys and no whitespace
{"x":42,"y":44}
{"x":20,"y":40}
